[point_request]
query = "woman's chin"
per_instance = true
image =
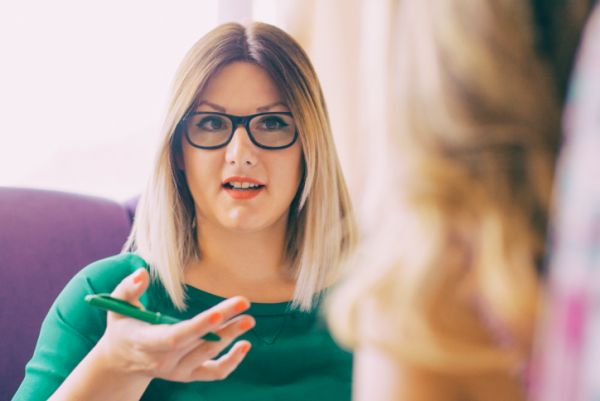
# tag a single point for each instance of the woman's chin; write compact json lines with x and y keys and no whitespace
{"x":242,"y":221}
{"x":238,"y":220}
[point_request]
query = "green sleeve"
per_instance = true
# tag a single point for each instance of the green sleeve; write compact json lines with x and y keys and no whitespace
{"x":71,"y":327}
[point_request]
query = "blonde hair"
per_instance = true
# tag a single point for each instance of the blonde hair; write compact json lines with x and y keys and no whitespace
{"x":321,"y":227}
{"x":474,"y":148}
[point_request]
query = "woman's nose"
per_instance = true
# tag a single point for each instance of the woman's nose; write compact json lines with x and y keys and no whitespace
{"x":240,"y":150}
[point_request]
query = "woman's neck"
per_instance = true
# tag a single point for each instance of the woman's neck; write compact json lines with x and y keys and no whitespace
{"x":242,"y":263}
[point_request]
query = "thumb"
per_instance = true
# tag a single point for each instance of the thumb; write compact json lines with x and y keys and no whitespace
{"x":132,"y":287}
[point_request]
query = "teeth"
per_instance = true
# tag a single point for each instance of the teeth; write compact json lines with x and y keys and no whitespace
{"x":243,"y":185}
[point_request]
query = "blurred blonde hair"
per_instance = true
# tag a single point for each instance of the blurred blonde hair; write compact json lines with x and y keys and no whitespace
{"x":321,"y":227}
{"x":452,"y":269}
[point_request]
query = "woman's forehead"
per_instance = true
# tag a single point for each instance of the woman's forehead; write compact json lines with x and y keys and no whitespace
{"x":241,"y":87}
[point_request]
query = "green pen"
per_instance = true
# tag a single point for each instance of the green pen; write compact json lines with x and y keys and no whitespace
{"x":106,"y":302}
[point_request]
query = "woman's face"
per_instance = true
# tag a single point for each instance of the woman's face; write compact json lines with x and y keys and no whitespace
{"x":214,"y":176}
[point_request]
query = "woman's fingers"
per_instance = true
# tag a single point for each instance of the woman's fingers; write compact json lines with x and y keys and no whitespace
{"x":226,"y":309}
{"x":209,"y":349}
{"x":189,"y":332}
{"x":235,"y":327}
{"x":221,"y":368}
{"x":132,"y":287}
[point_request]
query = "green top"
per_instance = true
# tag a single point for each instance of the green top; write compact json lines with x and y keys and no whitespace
{"x":292,"y":358}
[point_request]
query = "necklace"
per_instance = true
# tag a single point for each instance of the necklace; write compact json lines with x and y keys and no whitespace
{"x":269,"y":327}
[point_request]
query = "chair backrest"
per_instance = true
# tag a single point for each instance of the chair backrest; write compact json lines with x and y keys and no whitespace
{"x":45,"y":238}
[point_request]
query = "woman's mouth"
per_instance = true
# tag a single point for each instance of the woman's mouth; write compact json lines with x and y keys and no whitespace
{"x":242,"y":188}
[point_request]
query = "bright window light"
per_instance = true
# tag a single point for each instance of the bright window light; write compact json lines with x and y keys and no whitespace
{"x":84,"y":88}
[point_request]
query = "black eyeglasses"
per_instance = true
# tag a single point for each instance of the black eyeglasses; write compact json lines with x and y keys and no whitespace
{"x":211,"y":130}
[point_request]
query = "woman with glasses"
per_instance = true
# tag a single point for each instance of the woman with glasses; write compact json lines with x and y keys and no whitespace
{"x":238,"y":234}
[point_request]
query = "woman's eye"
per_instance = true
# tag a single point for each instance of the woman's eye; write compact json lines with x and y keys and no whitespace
{"x":273,"y":123}
{"x":211,"y":124}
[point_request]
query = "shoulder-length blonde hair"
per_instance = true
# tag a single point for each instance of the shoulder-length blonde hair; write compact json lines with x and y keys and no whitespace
{"x":321,"y":226}
{"x":477,"y":131}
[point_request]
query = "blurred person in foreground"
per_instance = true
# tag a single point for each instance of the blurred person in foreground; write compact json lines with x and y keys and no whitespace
{"x":443,"y":299}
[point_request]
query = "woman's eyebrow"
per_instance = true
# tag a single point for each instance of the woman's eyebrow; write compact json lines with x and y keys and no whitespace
{"x":224,"y":110}
{"x":214,"y":106}
{"x":270,"y":106}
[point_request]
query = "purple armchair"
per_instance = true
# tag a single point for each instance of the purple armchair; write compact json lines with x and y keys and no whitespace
{"x":45,"y":238}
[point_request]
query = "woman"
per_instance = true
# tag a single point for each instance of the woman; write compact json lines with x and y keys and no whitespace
{"x":443,"y":302}
{"x":241,"y":215}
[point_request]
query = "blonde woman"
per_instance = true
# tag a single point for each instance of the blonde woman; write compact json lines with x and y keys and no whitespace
{"x":444,"y":297}
{"x":238,"y":233}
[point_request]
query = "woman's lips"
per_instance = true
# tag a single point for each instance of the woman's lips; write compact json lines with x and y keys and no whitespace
{"x":242,"y":194}
{"x":241,"y":179}
{"x":242,"y":187}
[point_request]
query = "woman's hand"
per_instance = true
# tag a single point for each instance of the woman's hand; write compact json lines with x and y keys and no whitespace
{"x":173,"y":352}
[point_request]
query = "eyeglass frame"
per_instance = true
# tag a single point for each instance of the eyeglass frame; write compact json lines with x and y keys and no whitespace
{"x":235,"y":122}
